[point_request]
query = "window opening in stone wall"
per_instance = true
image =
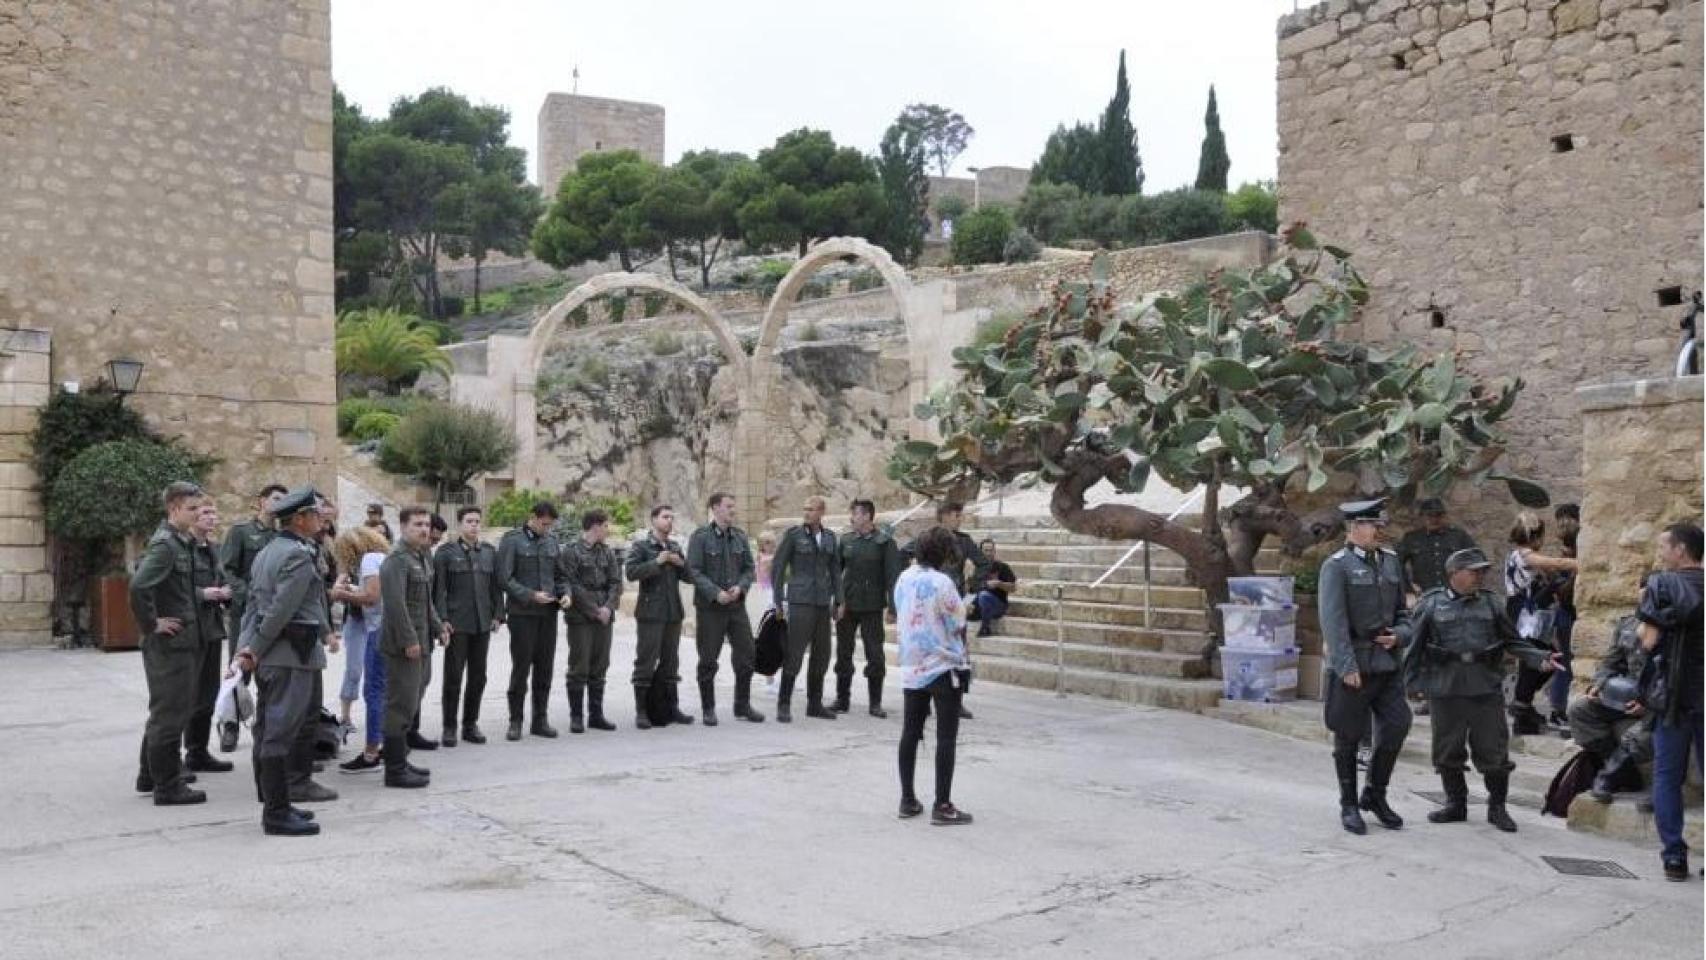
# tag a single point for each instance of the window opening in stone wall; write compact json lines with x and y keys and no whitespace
{"x":597,"y":145}
{"x":1563,"y":143}
{"x":1398,"y":62}
{"x":1670,"y":296}
{"x":1436,"y":316}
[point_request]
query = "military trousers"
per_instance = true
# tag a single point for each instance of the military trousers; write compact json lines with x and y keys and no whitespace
{"x":466,"y":652}
{"x":1467,"y":728}
{"x":421,"y":689}
{"x":712,"y":626}
{"x":285,"y":710}
{"x":589,"y":651}
{"x":532,"y":655}
{"x":657,"y":652}
{"x":868,"y":625}
{"x":172,"y":672}
{"x":808,"y":629}
{"x":403,"y":681}
{"x":1379,"y":703}
{"x":1600,"y":729}
{"x":207,"y":677}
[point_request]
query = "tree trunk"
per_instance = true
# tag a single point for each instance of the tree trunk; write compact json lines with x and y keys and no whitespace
{"x":1118,"y":521}
{"x":627,"y":261}
{"x":477,"y":262}
{"x":669,"y":250}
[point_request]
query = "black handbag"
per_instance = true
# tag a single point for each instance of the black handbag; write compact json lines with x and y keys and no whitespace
{"x":770,"y":647}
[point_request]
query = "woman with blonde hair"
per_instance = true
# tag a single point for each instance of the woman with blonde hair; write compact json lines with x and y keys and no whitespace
{"x":348,"y":550}
{"x":1531,"y":582}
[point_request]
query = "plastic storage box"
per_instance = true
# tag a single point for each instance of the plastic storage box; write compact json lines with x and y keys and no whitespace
{"x":1264,"y":676}
{"x":1259,"y":628}
{"x":1261,"y":591}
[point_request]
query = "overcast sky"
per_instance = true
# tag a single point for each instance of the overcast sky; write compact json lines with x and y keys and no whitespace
{"x":733,"y":75}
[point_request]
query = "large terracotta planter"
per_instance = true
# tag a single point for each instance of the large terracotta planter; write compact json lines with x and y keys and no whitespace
{"x":110,"y":619}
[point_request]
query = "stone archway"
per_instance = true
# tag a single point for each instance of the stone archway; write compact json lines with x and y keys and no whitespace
{"x":539,"y":340}
{"x":819,"y":256}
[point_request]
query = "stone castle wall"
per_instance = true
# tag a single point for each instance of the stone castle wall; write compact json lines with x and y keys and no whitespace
{"x":166,"y":195}
{"x":1517,"y":179}
{"x":1641,"y":472}
{"x":571,"y":126}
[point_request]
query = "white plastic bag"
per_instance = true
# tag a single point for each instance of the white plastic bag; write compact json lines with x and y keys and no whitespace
{"x":235,"y":704}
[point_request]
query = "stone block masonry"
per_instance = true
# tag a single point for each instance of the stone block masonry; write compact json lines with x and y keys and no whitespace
{"x":572,"y":126}
{"x":1519,"y":181}
{"x":165,"y":196}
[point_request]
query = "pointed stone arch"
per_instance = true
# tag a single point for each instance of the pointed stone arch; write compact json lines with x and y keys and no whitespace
{"x":539,"y":340}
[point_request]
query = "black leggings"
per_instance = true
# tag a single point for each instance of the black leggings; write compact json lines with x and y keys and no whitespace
{"x":918,"y":702}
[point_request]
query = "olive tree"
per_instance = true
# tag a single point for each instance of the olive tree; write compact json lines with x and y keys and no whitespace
{"x":1238,"y":381}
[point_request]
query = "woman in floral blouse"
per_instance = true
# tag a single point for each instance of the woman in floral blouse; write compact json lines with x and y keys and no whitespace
{"x":931,"y":623}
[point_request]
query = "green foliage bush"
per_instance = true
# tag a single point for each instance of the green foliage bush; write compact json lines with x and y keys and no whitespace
{"x":512,"y":508}
{"x":1021,"y":247}
{"x":352,"y":409}
{"x":375,"y":425}
{"x":952,"y":207}
{"x":1188,"y":215}
{"x":71,"y":423}
{"x":1253,"y":206}
{"x":446,"y":444}
{"x":981,"y":235}
{"x":809,"y":333}
{"x":992,"y":330}
{"x":664,"y":343}
{"x":112,"y":490}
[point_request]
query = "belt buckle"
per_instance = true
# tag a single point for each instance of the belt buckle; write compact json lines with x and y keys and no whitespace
{"x":1466,"y":657}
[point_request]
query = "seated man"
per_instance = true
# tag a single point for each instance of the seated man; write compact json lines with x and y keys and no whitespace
{"x":990,"y":602}
{"x":1615,"y":727}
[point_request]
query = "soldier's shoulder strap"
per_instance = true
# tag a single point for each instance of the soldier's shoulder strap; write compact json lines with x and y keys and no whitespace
{"x":1338,"y":554}
{"x":1388,"y":552}
{"x":161,"y":534}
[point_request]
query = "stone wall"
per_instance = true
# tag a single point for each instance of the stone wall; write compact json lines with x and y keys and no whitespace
{"x":1003,"y":185}
{"x":1641,"y":471}
{"x":166,"y":195}
{"x":1517,"y":179}
{"x":571,"y":126}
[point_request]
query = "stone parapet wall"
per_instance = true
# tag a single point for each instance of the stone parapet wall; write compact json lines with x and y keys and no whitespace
{"x":1641,"y":471}
{"x":1517,"y":180}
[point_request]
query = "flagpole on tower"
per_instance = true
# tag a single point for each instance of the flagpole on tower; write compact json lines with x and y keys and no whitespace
{"x":575,"y":87}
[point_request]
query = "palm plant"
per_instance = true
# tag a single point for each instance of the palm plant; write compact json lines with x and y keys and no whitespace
{"x":389,"y":346}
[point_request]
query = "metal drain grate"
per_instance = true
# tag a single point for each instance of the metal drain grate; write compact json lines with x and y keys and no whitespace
{"x":1589,"y":868}
{"x":1438,"y":797}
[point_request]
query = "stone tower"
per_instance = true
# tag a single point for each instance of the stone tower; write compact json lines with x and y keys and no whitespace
{"x":571,"y":126}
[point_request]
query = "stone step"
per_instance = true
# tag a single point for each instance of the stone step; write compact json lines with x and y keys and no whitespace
{"x":1623,"y":819}
{"x":1037,"y":608}
{"x":1195,"y":696}
{"x":1191,"y":642}
{"x":1123,"y":594}
{"x":1172,"y":575}
{"x":1089,"y":656}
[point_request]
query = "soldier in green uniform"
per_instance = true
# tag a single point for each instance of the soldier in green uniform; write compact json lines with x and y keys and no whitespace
{"x":870,"y":564}
{"x":806,"y":573}
{"x":527,"y":567}
{"x":1455,"y":641}
{"x":242,"y":544}
{"x":720,"y":565}
{"x":409,"y":626}
{"x":1616,"y":729}
{"x":592,"y":578}
{"x":467,"y":595}
{"x":284,"y":645}
{"x":657,"y":564}
{"x":1361,"y":599}
{"x":1423,"y":551}
{"x":162,"y":597}
{"x":211,"y":596}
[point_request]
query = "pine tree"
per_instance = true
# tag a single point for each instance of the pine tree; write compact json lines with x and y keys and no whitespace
{"x":1118,"y":141}
{"x":1213,"y":163}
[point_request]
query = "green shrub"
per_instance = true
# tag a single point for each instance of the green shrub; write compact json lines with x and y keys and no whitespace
{"x":446,"y":444}
{"x":350,"y":411}
{"x":1253,"y":206}
{"x":1021,"y":247}
{"x":952,"y":207}
{"x":71,"y":423}
{"x":620,"y":510}
{"x":664,"y":343}
{"x":864,"y":280}
{"x":595,"y":370}
{"x":512,"y":508}
{"x":1187,"y":215}
{"x":1050,"y":211}
{"x":769,"y":275}
{"x":980,"y":235}
{"x":810,"y":332}
{"x":651,"y":304}
{"x":375,"y":425}
{"x":618,"y":309}
{"x":112,"y":490}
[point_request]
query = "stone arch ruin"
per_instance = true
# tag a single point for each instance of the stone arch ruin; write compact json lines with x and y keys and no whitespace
{"x":539,"y":339}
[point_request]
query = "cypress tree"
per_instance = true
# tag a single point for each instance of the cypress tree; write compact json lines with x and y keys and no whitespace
{"x":1213,"y":163}
{"x":1120,"y":171}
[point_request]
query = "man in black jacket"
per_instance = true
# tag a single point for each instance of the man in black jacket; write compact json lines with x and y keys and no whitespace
{"x":806,"y":574}
{"x":656,"y":563}
{"x":592,"y":577}
{"x":467,"y":595}
{"x":1670,"y":615}
{"x":720,"y":565}
{"x":527,"y":567}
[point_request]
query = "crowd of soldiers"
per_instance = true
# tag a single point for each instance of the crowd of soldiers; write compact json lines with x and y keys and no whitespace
{"x":1450,"y":648}
{"x":271,"y":588}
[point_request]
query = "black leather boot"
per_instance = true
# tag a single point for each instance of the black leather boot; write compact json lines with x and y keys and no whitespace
{"x":398,"y":773}
{"x":1498,"y":786}
{"x":675,"y":714}
{"x":541,"y":723}
{"x":514,"y":731}
{"x":203,"y":761}
{"x":278,"y":819}
{"x":577,"y":705}
{"x":814,"y":700}
{"x":1345,"y":765}
{"x":1456,"y":809}
{"x":595,"y":707}
{"x":843,"y":693}
{"x":642,"y":720}
{"x":1604,"y":786}
{"x":875,"y":686}
{"x":785,"y":693}
{"x":708,"y":702}
{"x":1374,"y":794}
{"x":743,"y":699}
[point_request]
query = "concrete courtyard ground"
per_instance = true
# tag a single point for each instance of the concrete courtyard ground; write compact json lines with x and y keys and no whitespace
{"x":1102,"y":831}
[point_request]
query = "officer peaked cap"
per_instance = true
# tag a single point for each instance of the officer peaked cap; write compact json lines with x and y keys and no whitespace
{"x":1374,"y":510}
{"x":296,"y":501}
{"x":1470,"y":558}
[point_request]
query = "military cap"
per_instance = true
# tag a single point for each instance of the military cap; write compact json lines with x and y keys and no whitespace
{"x":1372,"y":511}
{"x":296,"y":501}
{"x":1430,"y":505}
{"x":1471,"y":558}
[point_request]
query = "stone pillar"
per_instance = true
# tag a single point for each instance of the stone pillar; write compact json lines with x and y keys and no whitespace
{"x":1641,"y":470}
{"x":26,"y":585}
{"x":752,"y":442}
